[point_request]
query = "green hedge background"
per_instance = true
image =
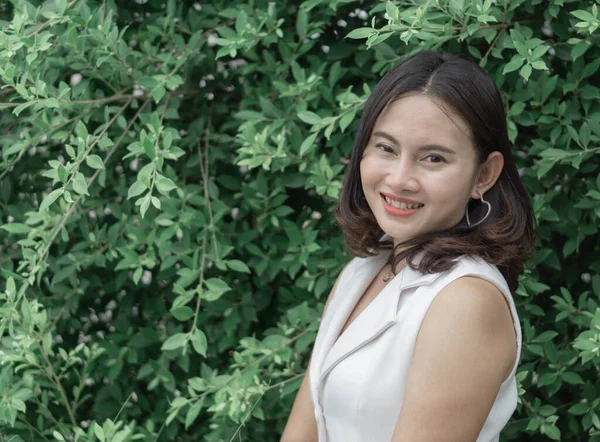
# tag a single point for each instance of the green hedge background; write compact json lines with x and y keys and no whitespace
{"x":168,"y":173}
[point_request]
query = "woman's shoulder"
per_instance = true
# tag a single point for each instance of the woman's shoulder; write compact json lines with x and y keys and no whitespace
{"x":477,"y":267}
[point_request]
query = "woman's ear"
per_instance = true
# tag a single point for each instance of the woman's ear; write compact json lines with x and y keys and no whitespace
{"x":488,"y":174}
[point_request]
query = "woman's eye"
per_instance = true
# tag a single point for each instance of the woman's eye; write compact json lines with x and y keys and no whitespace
{"x":385,"y":148}
{"x":434,"y":158}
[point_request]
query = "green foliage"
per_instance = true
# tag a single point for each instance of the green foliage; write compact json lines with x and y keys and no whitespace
{"x":167,"y":179}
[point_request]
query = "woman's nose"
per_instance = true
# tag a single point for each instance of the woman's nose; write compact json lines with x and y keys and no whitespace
{"x":402,"y":177}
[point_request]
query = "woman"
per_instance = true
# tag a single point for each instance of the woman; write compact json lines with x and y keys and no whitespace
{"x":421,"y":342}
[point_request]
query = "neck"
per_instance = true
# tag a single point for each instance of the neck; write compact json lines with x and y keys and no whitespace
{"x":388,"y":267}
{"x":397,"y":250}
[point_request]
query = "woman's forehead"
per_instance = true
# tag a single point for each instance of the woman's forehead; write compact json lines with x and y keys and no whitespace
{"x":429,"y":117}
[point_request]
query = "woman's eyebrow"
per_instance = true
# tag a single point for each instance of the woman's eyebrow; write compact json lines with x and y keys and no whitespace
{"x":427,"y":147}
{"x":386,"y":135}
{"x":438,"y":148}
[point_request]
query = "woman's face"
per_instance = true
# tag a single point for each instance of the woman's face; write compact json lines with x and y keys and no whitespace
{"x":423,"y":159}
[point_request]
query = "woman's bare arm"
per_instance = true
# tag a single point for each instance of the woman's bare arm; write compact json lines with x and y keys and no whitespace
{"x":465,"y":349}
{"x":302,"y":425}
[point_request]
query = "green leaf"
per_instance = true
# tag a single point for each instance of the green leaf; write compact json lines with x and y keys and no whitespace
{"x":590,"y":69}
{"x":241,"y":22}
{"x":58,"y":436}
{"x":346,"y":119}
{"x":121,"y":436}
{"x":526,"y":71}
{"x":216,"y":288}
{"x":579,"y":409}
{"x":583,"y":15}
{"x":237,"y":265}
{"x":26,"y":311}
{"x":94,"y":161}
{"x":164,"y":185}
{"x":11,"y":287}
{"x":158,"y":94}
{"x":249,"y":115}
{"x":136,"y":189}
{"x":301,"y":23}
{"x":551,"y":431}
{"x":584,"y":134}
{"x":360,"y":33}
{"x":198,"y":384}
{"x":145,"y":204}
{"x":63,"y":274}
{"x":147,"y":82}
{"x":18,"y":228}
{"x":192,"y":414}
{"x":20,"y":108}
{"x":19,"y":405}
{"x":298,"y":73}
{"x":99,"y":432}
{"x":81,"y":130}
{"x":79,"y":184}
{"x":216,"y":284}
{"x":392,"y":10}
{"x":105,"y":142}
{"x":572,"y":378}
{"x":546,"y":336}
{"x":52,"y":196}
{"x":309,"y":117}
{"x":521,"y":49}
{"x":182,"y":313}
{"x":585,"y":345}
{"x":517,"y":36}
{"x":9,"y":70}
{"x":70,"y":151}
{"x":176,"y":341}
{"x":539,"y":65}
{"x":149,"y":149}
{"x":579,"y":49}
{"x":222,"y":52}
{"x":199,"y":342}
{"x":308,"y":143}
{"x":569,"y":247}
{"x":62,"y":173}
{"x":515,"y":63}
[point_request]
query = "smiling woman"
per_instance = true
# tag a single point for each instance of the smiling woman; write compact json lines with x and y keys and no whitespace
{"x":422,"y":155}
{"x":420,"y":338}
{"x":435,"y":128}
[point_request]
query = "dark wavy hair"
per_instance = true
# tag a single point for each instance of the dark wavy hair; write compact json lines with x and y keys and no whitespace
{"x":506,"y":237}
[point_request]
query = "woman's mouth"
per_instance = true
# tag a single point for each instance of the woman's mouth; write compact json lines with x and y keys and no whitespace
{"x":399,"y":208}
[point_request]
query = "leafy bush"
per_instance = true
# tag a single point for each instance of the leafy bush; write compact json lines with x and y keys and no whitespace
{"x":167,"y":180}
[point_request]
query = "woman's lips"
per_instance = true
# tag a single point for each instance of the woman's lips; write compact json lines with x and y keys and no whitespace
{"x":396,"y":211}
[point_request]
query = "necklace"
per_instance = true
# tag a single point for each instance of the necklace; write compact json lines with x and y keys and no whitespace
{"x":388,"y":277}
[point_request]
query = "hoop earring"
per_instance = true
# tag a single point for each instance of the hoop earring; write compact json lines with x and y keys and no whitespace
{"x":489,"y":210}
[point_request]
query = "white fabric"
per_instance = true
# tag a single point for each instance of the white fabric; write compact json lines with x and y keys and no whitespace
{"x":357,"y":384}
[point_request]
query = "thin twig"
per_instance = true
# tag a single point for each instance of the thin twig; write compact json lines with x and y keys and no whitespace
{"x":31,"y":427}
{"x":204,"y":171}
{"x":117,"y":97}
{"x":47,"y":23}
{"x":246,"y":417}
{"x":253,"y":364}
{"x":22,"y":152}
{"x":122,"y":407}
{"x":72,"y":208}
{"x":484,"y":59}
{"x":58,"y":385}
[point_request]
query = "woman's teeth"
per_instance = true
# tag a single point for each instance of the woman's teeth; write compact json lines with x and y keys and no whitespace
{"x":402,"y":206}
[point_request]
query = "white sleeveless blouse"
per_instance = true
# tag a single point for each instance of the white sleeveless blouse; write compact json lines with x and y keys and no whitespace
{"x":357,"y":384}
